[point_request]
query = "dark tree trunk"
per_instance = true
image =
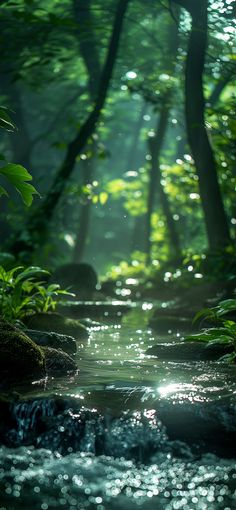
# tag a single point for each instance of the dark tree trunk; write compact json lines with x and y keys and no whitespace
{"x":41,"y":217}
{"x":155,"y":185}
{"x":88,"y":45}
{"x":213,"y":208}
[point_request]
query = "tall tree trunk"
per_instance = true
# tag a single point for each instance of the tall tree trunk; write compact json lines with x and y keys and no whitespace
{"x":213,"y":208}
{"x":156,"y":145}
{"x":89,"y":51}
{"x":88,"y":43}
{"x":38,"y":222}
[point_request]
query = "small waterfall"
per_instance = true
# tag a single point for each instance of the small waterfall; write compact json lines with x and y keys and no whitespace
{"x":61,"y":425}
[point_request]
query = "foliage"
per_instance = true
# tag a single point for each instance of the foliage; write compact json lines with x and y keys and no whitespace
{"x":18,"y":176}
{"x":22,"y":294}
{"x":224,"y":333}
{"x":15,"y":174}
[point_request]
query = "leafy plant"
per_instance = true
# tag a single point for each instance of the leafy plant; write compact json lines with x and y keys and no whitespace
{"x":15,"y":174}
{"x":21,"y":293}
{"x":224,"y":333}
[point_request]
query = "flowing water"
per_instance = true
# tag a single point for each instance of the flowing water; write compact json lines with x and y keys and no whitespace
{"x":128,"y":431}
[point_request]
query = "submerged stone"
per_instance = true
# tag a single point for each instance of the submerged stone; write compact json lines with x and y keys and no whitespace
{"x":20,"y":357}
{"x":51,"y":339}
{"x":55,"y":322}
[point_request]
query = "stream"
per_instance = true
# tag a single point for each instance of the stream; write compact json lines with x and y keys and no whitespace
{"x":128,"y":431}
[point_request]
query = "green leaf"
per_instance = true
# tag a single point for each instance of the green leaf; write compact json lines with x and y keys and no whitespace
{"x":205,"y":313}
{"x":5,"y":121}
{"x":228,"y":305}
{"x":31,"y":271}
{"x":18,"y":176}
{"x":212,"y":334}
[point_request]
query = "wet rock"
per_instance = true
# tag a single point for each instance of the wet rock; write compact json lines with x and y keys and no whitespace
{"x":20,"y":357}
{"x":56,"y":340}
{"x":58,"y":362}
{"x":78,"y":278}
{"x":62,"y":425}
{"x":189,"y":351}
{"x":55,"y":322}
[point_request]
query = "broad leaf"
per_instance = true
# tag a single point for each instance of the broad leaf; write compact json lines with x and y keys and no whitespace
{"x":18,"y":176}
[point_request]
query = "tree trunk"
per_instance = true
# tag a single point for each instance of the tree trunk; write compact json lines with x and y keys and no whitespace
{"x":88,"y":43}
{"x":156,"y":145}
{"x":89,"y":51}
{"x":213,"y":208}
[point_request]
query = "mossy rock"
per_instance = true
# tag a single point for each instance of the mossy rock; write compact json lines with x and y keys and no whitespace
{"x":20,"y":357}
{"x":55,"y":340}
{"x":58,"y":362}
{"x":55,"y":322}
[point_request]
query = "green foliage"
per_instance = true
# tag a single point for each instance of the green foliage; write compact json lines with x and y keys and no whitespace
{"x":18,"y":176}
{"x":15,"y":174}
{"x":22,"y":294}
{"x":225,"y":333}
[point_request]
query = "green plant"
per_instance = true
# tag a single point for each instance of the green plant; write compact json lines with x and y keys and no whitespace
{"x":22,"y":294}
{"x":225,"y":330}
{"x":16,"y":175}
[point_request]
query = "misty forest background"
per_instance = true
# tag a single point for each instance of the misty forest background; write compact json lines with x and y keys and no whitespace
{"x":122,"y":111}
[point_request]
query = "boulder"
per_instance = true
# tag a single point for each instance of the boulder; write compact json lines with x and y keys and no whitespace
{"x":190,"y":351}
{"x":78,"y":278}
{"x":56,"y":340}
{"x":55,"y":322}
{"x":20,"y":357}
{"x":58,"y":362}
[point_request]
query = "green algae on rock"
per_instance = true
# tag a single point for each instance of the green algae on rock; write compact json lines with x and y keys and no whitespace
{"x":20,"y":357}
{"x":55,"y":322}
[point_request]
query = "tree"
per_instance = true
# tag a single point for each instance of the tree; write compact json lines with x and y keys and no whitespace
{"x":156,"y":143}
{"x":212,"y":203}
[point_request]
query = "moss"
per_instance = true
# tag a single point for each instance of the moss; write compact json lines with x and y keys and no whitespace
{"x":57,"y":323}
{"x":19,"y":355}
{"x":58,"y":362}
